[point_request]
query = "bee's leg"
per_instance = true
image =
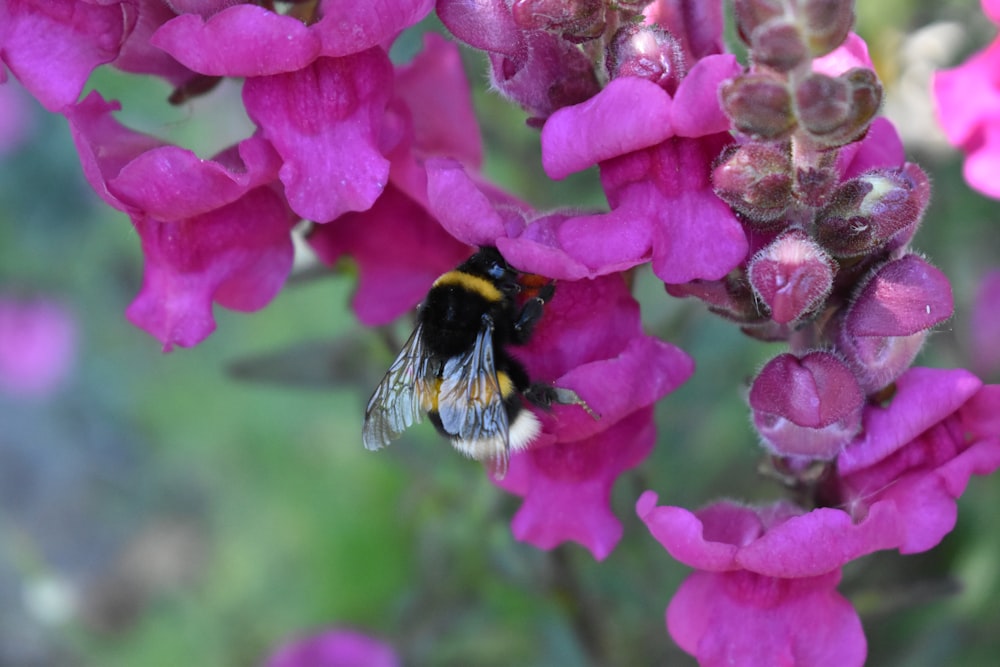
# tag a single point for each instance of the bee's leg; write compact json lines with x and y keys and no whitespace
{"x":545,"y":396}
{"x":531,"y":312}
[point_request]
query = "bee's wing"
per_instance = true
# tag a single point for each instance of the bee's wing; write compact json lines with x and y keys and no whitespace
{"x":470,"y":402}
{"x":404,"y":392}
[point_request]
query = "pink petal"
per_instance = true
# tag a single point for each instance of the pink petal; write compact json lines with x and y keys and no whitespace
{"x":324,"y":121}
{"x":610,"y":389}
{"x":569,"y":486}
{"x":444,"y":123}
{"x":629,"y":114}
{"x":242,"y":40}
{"x":852,"y":53}
{"x":983,"y":161}
{"x":461,"y":207}
{"x":881,"y":147}
{"x":349,"y":26}
{"x":742,"y":619}
{"x":969,"y":95}
{"x":399,"y":249}
{"x":924,"y":397}
{"x":104,"y":145}
{"x":52,"y":46}
{"x":172,"y":183}
{"x":238,"y":256}
{"x":696,"y":111}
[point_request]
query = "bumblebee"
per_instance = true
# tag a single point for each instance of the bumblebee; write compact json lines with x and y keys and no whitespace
{"x":455,"y":366}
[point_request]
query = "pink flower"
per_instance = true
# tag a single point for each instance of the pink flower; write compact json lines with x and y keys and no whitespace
{"x":37,"y":346}
{"x":655,"y":153}
{"x":967,"y":102}
{"x":212,"y":230}
{"x":318,"y":92}
{"x":334,"y":648}
{"x":566,"y":477}
{"x":915,"y":456}
{"x":765,"y":590}
{"x":52,"y":46}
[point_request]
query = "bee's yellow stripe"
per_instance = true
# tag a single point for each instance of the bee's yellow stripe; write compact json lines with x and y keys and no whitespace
{"x":506,"y":384}
{"x":467,"y":281}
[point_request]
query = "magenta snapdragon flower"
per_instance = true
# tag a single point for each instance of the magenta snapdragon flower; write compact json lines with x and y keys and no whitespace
{"x":764,"y":592}
{"x":967,"y":104}
{"x":566,"y":476}
{"x":211,"y":230}
{"x":338,"y":647}
{"x":893,"y":487}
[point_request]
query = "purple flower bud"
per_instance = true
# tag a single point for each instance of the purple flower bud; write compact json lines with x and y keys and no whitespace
{"x":792,"y":275}
{"x":888,"y":320}
{"x":838,"y":110}
{"x":759,"y":106}
{"x":779,"y":44}
{"x":730,"y":297}
{"x":648,"y":52}
{"x":755,"y":179}
{"x":867,"y":212}
{"x":809,"y":407}
{"x":826,"y":23}
{"x":576,"y":21}
{"x":752,"y":14}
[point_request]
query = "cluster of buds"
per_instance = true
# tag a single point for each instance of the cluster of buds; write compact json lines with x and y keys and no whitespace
{"x":830,"y":271}
{"x":549,"y":54}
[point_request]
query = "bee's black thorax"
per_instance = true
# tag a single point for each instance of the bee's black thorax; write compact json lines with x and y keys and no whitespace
{"x":452,"y":314}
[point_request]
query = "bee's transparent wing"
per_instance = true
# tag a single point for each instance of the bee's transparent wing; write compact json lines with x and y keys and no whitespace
{"x":470,"y":402}
{"x":402,"y":395}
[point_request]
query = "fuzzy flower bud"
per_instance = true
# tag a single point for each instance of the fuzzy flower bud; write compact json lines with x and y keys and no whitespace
{"x":753,"y":14}
{"x":648,"y":52}
{"x":838,"y":110}
{"x":779,"y":45}
{"x":809,"y":407}
{"x":888,"y":320}
{"x":792,"y":275}
{"x":755,"y":179}
{"x":868,"y":212}
{"x":759,"y":106}
{"x":576,"y":21}
{"x":826,"y":24}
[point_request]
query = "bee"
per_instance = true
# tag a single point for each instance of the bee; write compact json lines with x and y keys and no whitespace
{"x":455,"y":366}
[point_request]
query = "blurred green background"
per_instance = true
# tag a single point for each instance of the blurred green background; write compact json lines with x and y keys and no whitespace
{"x":175,"y":510}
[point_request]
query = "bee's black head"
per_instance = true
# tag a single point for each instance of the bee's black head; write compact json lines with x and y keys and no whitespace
{"x":489,"y":263}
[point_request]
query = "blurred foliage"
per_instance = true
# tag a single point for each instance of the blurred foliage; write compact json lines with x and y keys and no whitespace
{"x":171,"y":511}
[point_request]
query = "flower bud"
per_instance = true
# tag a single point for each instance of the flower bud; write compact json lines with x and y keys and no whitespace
{"x":826,"y":24}
{"x":759,"y":105}
{"x":752,"y":14}
{"x":755,"y":180}
{"x":576,"y":21}
{"x":779,"y":45}
{"x":809,"y":407}
{"x":866,"y":212}
{"x":792,"y":275}
{"x":648,"y":52}
{"x":886,"y":323}
{"x":730,"y":297}
{"x":838,"y":110}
